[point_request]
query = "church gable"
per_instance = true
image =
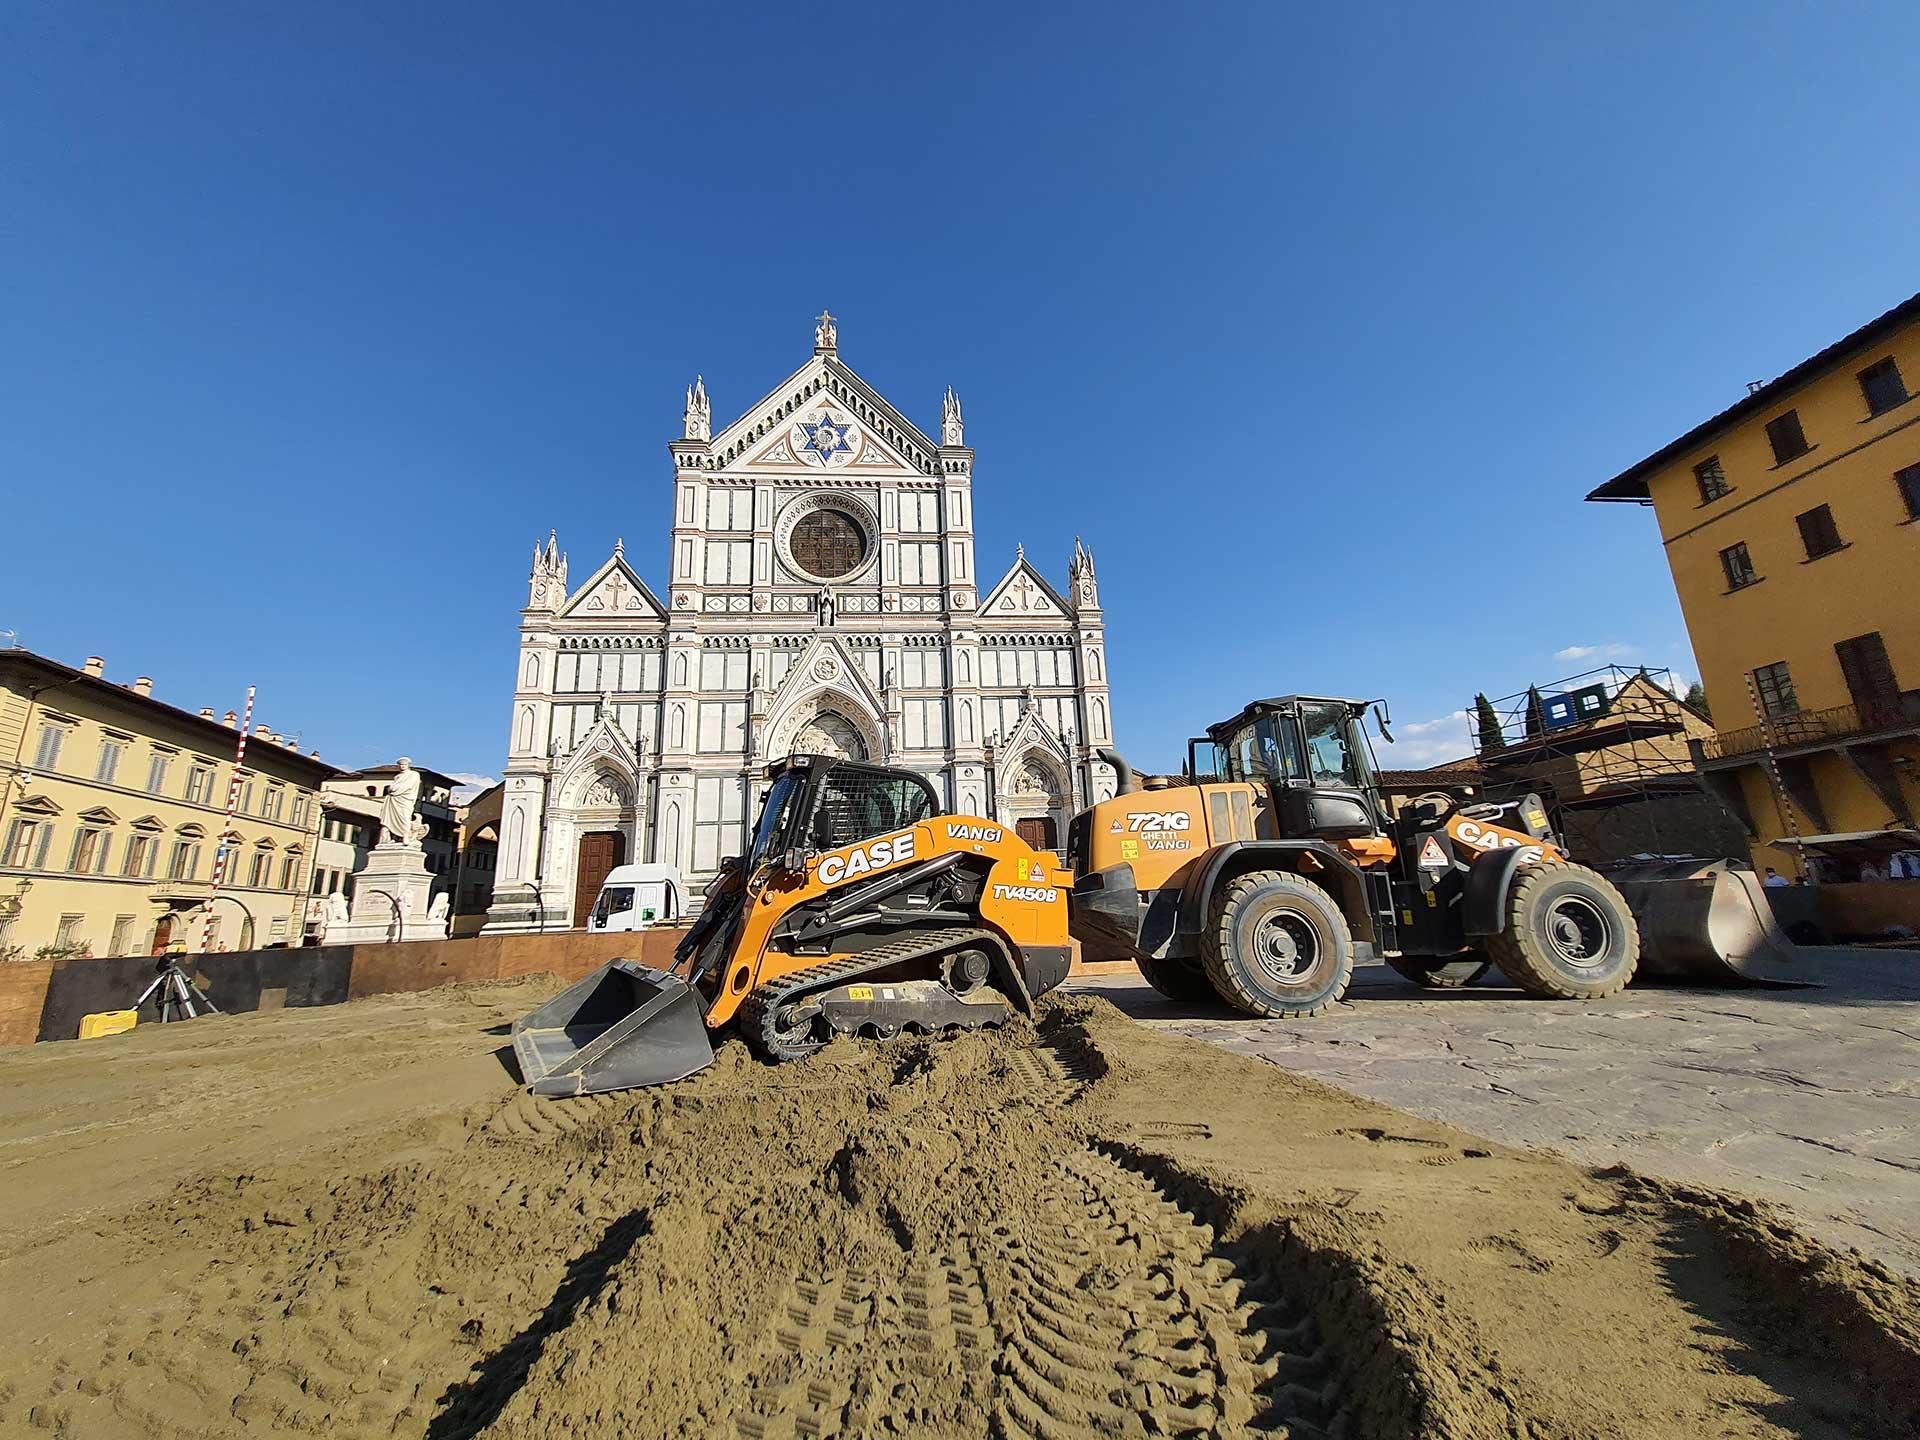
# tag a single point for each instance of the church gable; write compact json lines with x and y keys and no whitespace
{"x":862,"y":432}
{"x":1024,"y":594}
{"x":614,"y":590}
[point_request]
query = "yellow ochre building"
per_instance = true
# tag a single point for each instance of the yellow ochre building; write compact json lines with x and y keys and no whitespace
{"x":112,"y":806}
{"x":1791,"y":522}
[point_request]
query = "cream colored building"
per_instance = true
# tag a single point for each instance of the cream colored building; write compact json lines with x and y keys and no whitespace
{"x":112,"y":809}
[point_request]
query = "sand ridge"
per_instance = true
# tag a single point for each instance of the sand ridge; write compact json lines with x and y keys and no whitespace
{"x":1074,"y":1229}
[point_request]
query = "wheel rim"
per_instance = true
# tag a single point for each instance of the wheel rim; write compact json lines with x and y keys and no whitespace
{"x":1286,"y":947}
{"x":1579,"y":932}
{"x":794,"y":1034}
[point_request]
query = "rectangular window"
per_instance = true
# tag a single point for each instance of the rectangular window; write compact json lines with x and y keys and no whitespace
{"x":107,"y":764}
{"x":723,"y":670}
{"x":919,"y":513}
{"x":140,"y":854}
{"x":729,"y":562}
{"x":184,"y":860}
{"x":47,"y":755}
{"x":1880,"y":382}
{"x":257,"y":871}
{"x":925,"y":724}
{"x":919,"y":563}
{"x":246,"y":798}
{"x":69,"y":931}
{"x":729,"y":509}
{"x":1818,"y":532}
{"x":27,"y":843}
{"x":157,"y":772}
{"x":1775,"y":686}
{"x":1785,"y":435}
{"x":1909,"y":482}
{"x":1711,"y":479}
{"x":89,"y":851}
{"x":299,"y":816}
{"x":1738,"y":565}
{"x":289,"y":871}
{"x":1868,"y":671}
{"x":719,"y":815}
{"x":723,"y":726}
{"x":199,"y":785}
{"x":122,"y":940}
{"x":275,"y":798}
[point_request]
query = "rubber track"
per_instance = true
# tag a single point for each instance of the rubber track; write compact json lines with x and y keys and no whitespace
{"x":757,"y":1010}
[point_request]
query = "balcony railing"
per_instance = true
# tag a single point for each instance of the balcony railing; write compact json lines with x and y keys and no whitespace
{"x":1816,"y":727}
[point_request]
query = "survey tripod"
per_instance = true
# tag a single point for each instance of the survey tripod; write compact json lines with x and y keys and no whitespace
{"x":177,"y":994}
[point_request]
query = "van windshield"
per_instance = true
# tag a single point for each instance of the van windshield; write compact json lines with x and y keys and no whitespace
{"x":614,"y":900}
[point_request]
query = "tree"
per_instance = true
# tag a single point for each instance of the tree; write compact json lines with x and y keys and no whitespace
{"x":1536,"y":714}
{"x":1491,"y":738}
{"x":1697,"y":700}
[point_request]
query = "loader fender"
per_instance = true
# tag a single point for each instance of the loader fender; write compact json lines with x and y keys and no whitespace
{"x":1483,"y":905}
{"x":1208,"y":877}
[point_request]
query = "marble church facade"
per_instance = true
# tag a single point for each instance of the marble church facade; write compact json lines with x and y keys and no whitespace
{"x":823,"y":597}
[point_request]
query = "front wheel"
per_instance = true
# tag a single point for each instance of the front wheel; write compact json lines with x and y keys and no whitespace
{"x":1278,"y":946}
{"x":1568,"y":935}
{"x":1441,"y":974}
{"x":1177,"y":980}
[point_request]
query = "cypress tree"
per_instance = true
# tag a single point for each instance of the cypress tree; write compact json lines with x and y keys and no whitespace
{"x":1536,"y":714}
{"x":1491,"y":738}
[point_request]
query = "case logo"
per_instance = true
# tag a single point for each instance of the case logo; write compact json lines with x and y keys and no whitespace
{"x":870,"y":856}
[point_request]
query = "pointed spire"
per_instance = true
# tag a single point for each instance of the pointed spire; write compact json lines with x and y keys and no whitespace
{"x":952,"y":429}
{"x":1086,"y":588}
{"x":619,"y":547}
{"x":1019,"y":553}
{"x":696,"y":421}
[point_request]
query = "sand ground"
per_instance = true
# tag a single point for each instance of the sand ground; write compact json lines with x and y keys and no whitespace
{"x":350,"y":1221}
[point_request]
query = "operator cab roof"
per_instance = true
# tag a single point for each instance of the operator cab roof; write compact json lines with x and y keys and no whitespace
{"x":1257,"y":708}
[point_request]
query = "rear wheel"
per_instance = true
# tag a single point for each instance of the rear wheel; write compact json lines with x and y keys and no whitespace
{"x":1441,"y":974}
{"x":1278,"y":946}
{"x":1568,"y":936}
{"x":1177,"y":980}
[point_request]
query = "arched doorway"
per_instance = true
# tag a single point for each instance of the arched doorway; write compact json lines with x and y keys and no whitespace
{"x":598,"y":852}
{"x":162,"y":935}
{"x":832,"y":734}
{"x":1034,"y":801}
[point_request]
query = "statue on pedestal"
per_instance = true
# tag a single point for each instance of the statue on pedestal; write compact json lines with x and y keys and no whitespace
{"x":396,"y":809}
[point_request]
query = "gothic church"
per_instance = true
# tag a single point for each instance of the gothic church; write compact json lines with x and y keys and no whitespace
{"x":823,"y":599}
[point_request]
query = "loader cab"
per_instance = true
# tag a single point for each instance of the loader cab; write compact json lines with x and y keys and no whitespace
{"x":818,"y":804}
{"x":1311,"y":754}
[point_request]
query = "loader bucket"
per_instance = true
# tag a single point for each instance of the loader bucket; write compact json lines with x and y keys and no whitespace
{"x":1706,"y":920}
{"x":622,"y":1026}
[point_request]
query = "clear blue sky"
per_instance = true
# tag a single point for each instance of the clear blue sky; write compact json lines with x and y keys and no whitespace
{"x":1317,"y":322}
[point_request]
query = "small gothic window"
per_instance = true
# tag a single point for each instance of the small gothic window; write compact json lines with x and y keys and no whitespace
{"x":829,"y":544}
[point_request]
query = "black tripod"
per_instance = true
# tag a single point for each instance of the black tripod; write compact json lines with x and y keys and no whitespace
{"x":177,"y":994}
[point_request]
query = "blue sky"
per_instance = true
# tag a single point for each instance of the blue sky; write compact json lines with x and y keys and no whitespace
{"x":1317,"y":323}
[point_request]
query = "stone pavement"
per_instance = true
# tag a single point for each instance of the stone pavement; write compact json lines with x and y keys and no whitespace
{"x":1806,"y":1097}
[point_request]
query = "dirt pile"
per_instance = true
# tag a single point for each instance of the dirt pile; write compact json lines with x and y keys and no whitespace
{"x":1080,"y":1231}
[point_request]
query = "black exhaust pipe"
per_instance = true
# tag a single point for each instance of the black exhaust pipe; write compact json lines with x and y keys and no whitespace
{"x":1127,"y":784}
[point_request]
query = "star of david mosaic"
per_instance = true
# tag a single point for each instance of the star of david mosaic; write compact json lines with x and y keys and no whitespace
{"x":826,"y":438}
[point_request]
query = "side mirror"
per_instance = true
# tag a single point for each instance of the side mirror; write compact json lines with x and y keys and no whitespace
{"x":1382,"y":717}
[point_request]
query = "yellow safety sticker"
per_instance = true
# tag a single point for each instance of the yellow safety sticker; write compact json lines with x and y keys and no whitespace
{"x":860,"y":992}
{"x":1129,"y":849}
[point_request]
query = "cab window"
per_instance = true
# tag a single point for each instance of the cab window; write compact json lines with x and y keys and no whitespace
{"x":1330,"y":755}
{"x":853,"y":804}
{"x":614,"y":900}
{"x":1267,"y":750}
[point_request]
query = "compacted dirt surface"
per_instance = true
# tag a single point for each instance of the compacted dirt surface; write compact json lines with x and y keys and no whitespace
{"x":351,"y":1222}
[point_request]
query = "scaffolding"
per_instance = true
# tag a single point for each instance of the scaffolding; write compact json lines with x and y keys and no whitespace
{"x":1597,"y":740}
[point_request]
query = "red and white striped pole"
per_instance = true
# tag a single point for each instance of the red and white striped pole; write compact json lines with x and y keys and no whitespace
{"x":226,"y":847}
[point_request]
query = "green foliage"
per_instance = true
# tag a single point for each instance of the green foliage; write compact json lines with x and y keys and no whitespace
{"x":77,"y":950}
{"x":1488,"y":724}
{"x":1697,"y":699}
{"x":1536,"y":714}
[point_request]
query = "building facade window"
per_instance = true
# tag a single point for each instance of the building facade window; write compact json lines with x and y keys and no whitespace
{"x":246,"y":798}
{"x":106,"y":765}
{"x":27,"y":841}
{"x":276,"y":798}
{"x":157,"y":765}
{"x":1788,"y":440}
{"x":1909,"y":482}
{"x":257,"y":871}
{"x":1738,"y":565}
{"x":299,"y":815}
{"x":141,"y":851}
{"x":289,"y":871}
{"x":1711,"y":477}
{"x":89,"y":855}
{"x":1868,"y":671}
{"x":1774,"y":684}
{"x":1818,"y":532}
{"x":46,"y":755}
{"x":1880,"y":382}
{"x":69,"y":931}
{"x":122,"y":941}
{"x":199,"y":785}
{"x":184,"y":861}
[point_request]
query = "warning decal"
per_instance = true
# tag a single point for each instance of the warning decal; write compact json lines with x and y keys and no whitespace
{"x":1432,"y":857}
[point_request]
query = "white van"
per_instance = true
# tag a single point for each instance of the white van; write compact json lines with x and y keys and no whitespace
{"x":636,"y":897}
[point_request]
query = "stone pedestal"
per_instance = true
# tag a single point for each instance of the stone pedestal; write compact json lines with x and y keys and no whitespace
{"x":391,"y":896}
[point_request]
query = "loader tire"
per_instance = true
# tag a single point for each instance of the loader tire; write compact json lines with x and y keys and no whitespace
{"x":1568,"y":935}
{"x":1278,"y":946}
{"x":1442,"y":974}
{"x":1177,"y":980}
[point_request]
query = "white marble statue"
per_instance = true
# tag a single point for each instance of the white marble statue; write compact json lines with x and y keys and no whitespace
{"x":437,"y":909}
{"x":336,"y":909}
{"x":396,"y":810}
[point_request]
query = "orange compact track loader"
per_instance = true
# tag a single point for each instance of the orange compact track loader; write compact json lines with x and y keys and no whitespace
{"x":857,"y":909}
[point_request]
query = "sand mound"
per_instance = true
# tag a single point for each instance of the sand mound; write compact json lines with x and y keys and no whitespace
{"x":1079,"y":1231}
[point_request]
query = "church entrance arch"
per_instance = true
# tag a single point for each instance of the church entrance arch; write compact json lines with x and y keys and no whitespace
{"x":599,"y":851}
{"x":1034,"y":801}
{"x":830,"y":733}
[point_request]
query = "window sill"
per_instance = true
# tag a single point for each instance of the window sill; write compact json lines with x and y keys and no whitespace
{"x":1844,"y":545}
{"x":1911,"y":520}
{"x":1887,"y":410}
{"x":1718,"y":498}
{"x":1783,"y":464}
{"x":1736,"y":589}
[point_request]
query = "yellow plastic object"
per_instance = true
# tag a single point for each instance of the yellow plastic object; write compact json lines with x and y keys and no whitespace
{"x":108,"y":1022}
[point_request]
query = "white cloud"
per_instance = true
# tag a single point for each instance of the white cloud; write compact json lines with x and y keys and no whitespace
{"x":466,"y":786}
{"x":1427,"y":742}
{"x":1612,"y":650}
{"x":481,"y":780}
